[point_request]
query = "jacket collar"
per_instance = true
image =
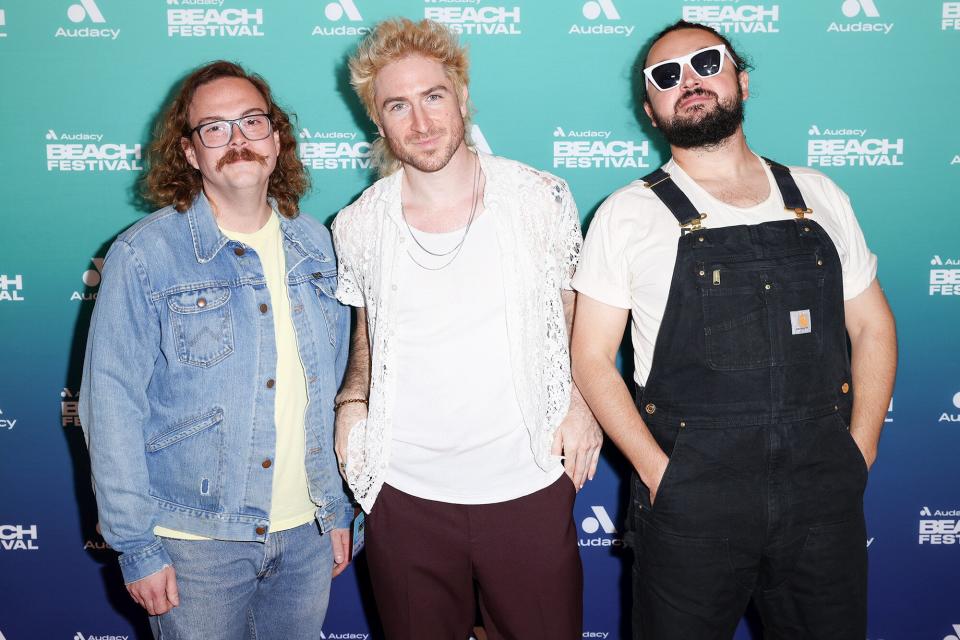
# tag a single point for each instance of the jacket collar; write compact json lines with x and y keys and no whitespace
{"x":208,"y":239}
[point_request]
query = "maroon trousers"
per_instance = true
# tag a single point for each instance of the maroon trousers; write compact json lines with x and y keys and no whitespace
{"x":426,"y":557}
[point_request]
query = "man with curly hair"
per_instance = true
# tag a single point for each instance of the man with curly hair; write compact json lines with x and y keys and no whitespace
{"x":476,"y":441}
{"x":215,"y":350}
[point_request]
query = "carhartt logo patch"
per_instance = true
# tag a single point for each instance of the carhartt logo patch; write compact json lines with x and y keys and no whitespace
{"x":800,"y":321}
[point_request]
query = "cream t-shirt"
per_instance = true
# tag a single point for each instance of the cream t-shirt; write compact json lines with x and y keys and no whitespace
{"x":631,"y":247}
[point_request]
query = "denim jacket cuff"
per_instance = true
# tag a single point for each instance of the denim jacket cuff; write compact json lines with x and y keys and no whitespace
{"x":145,"y":561}
{"x":344,"y":513}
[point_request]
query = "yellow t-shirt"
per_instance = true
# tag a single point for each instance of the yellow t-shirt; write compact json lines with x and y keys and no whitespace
{"x":290,"y":504}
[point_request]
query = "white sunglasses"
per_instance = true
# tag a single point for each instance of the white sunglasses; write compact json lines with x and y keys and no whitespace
{"x":704,"y":62}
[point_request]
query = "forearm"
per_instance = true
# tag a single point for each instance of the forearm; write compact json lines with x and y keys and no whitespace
{"x":873,"y":366}
{"x":578,"y":406}
{"x":607,"y":395}
{"x":356,"y":380}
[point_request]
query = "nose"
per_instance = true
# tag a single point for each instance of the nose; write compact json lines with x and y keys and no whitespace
{"x":689,"y":77}
{"x":418,"y":119}
{"x":234,"y":138}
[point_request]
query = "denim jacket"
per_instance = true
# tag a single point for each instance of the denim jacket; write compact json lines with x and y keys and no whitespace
{"x":177,"y":401}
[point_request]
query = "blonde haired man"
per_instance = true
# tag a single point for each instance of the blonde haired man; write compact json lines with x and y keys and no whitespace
{"x":459,"y":265}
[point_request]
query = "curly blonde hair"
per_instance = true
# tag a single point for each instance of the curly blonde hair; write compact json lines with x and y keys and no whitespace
{"x":170,"y":179}
{"x":393,"y":40}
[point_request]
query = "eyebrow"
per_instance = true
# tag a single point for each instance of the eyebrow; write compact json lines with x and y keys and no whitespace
{"x":438,"y":88}
{"x":217,"y":118}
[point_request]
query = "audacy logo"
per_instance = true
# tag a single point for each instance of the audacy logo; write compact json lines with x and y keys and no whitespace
{"x":952,"y":417}
{"x":951,"y":17}
{"x":599,"y":529}
{"x":220,"y":22}
{"x":850,"y":148}
{"x":87,"y":152}
{"x":90,"y":278}
{"x":944,"y":282}
{"x":6,"y":422}
{"x":854,"y":9}
{"x":83,"y":12}
{"x":333,"y":150}
{"x":735,"y":18}
{"x":593,"y":149}
{"x":98,"y":543}
{"x":11,"y":287}
{"x":343,"y":636}
{"x":939,"y":526}
{"x":336,"y":12}
{"x":481,"y":21}
{"x":956,"y":633}
{"x":80,"y":636}
{"x":69,"y":409}
{"x":605,"y":16}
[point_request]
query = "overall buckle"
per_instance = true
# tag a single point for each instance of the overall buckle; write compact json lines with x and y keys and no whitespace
{"x":693,"y":225}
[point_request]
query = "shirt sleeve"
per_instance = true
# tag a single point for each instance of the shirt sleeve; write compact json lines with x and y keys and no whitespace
{"x":349,"y":278}
{"x":569,"y":238}
{"x":858,"y":263}
{"x":602,"y":273}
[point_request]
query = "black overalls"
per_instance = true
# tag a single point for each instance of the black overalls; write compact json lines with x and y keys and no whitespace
{"x":750,"y":395}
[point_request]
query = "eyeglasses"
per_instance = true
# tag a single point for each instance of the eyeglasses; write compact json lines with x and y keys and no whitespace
{"x":255,"y":126}
{"x":704,"y":62}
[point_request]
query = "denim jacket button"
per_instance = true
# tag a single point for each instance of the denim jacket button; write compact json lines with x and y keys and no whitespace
{"x":263,"y":308}
{"x":202,"y":302}
{"x":239,"y":251}
{"x":270,"y":383}
{"x":260,"y":530}
{"x":266,"y":463}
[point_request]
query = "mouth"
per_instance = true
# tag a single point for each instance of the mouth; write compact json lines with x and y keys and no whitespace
{"x":694,"y":98}
{"x":429,"y":140}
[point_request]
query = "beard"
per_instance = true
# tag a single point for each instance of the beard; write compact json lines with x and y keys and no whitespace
{"x":699,"y":127}
{"x":431,"y":160}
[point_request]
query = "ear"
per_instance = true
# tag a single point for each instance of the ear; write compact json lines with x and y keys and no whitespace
{"x":276,"y":141}
{"x":649,"y":111}
{"x":189,"y":152}
{"x":744,"y":79}
{"x":464,"y":101}
{"x":379,"y":128}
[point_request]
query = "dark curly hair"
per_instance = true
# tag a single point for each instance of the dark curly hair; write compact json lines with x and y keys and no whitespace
{"x":170,"y":179}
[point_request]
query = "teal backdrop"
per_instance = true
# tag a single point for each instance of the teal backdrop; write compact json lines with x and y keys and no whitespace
{"x":865,"y":90}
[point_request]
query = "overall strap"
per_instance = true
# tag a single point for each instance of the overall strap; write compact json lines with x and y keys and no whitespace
{"x":675,"y":200}
{"x":792,"y":200}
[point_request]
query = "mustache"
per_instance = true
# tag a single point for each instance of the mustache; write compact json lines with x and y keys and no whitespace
{"x":420,"y":137}
{"x":236,"y":155}
{"x":698,"y":91}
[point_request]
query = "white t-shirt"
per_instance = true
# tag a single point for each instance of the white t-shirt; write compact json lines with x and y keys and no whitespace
{"x":631,"y":247}
{"x":458,"y":432}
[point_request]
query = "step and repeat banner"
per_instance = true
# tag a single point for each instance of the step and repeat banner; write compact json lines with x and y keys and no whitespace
{"x":863,"y":90}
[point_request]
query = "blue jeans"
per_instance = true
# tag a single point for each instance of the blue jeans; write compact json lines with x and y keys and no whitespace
{"x":233,"y":590}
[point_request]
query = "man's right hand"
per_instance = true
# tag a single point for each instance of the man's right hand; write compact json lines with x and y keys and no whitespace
{"x":348,"y":416}
{"x":653,"y":475}
{"x":157,"y":593}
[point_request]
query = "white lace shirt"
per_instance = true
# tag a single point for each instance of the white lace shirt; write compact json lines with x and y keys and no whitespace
{"x":538,"y":229}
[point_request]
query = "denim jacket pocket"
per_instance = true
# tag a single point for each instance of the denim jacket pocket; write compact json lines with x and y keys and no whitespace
{"x":202,"y":325}
{"x":187,"y":461}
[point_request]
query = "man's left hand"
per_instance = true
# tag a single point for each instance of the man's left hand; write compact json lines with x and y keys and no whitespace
{"x":340,"y":538}
{"x":579,"y":439}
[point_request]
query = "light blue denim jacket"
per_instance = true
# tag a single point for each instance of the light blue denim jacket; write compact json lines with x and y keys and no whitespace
{"x":177,"y":400}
